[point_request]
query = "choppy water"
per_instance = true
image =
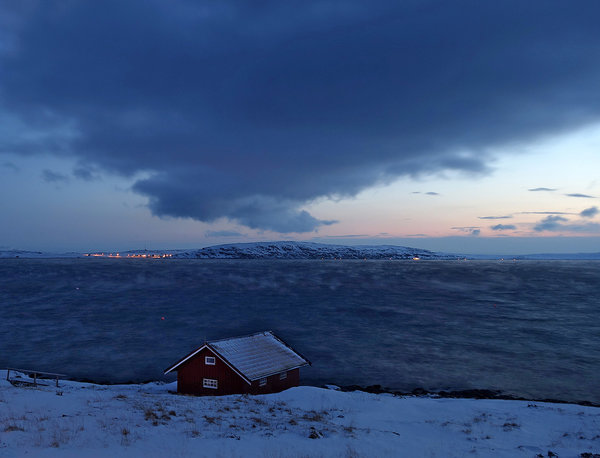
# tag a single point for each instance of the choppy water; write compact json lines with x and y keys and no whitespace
{"x":529,"y":328}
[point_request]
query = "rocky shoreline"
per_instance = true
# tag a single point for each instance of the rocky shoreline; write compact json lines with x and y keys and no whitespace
{"x":473,"y":393}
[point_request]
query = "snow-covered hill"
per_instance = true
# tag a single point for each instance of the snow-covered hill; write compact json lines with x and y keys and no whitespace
{"x":87,"y":420}
{"x":307,"y":250}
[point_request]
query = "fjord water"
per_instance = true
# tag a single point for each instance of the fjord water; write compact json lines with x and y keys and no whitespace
{"x":528,"y":328}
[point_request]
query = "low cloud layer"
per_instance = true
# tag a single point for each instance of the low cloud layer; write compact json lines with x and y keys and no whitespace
{"x":560,"y":224}
{"x":10,"y":165}
{"x":50,"y":176}
{"x":428,"y":193}
{"x":251,"y":111}
{"x":583,"y":196}
{"x":471,"y":230}
{"x":547,"y":213}
{"x":542,"y":189}
{"x":223,"y":234}
{"x":86,"y":174}
{"x":503,"y":227}
{"x":589,"y":212}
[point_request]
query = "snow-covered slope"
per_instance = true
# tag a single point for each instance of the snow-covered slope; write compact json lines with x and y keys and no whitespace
{"x":87,"y":420}
{"x":307,"y":250}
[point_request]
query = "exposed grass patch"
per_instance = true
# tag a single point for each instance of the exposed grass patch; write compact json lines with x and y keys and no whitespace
{"x":314,"y":416}
{"x":157,"y":414}
{"x":150,"y":414}
{"x":259,"y":421}
{"x":509,"y":426}
{"x":13,"y":427}
{"x":125,"y":436}
{"x":193,"y":433}
{"x":211,"y":420}
{"x":314,"y":434}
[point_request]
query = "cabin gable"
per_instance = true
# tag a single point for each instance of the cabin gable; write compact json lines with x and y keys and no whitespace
{"x":195,"y":376}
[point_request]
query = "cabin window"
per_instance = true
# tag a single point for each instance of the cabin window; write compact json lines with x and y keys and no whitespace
{"x":209,"y":360}
{"x":210,"y":383}
{"x":262,"y":382}
{"x":283,"y":376}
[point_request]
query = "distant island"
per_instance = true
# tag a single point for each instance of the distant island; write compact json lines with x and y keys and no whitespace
{"x":298,"y":250}
{"x":308,"y":250}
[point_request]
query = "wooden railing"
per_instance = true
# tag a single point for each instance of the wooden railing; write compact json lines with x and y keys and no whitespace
{"x":34,"y":374}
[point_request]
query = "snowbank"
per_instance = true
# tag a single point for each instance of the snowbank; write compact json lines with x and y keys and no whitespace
{"x":79,"y":419}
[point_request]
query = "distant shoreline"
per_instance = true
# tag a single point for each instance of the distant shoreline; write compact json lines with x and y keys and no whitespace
{"x":299,"y":250}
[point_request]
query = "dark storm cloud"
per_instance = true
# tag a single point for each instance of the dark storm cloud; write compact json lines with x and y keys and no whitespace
{"x":558,"y":223}
{"x":495,"y":217}
{"x":541,"y":189}
{"x":584,"y":196}
{"x":589,"y":212}
{"x":50,"y":176}
{"x":250,"y":111}
{"x":503,"y":227}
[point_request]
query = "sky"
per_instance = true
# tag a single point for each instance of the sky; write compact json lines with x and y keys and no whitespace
{"x":461,"y":126}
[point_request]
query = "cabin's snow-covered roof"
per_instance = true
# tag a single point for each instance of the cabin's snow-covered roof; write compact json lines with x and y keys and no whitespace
{"x":253,"y":357}
{"x":258,"y":355}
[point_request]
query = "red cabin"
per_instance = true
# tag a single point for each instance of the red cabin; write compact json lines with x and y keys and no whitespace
{"x":257,"y":364}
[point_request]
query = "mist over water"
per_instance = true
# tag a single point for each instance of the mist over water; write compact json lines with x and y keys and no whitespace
{"x":528,"y":328}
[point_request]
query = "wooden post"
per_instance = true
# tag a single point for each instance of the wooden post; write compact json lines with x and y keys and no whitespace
{"x":57,"y":381}
{"x":34,"y":379}
{"x":8,"y":375}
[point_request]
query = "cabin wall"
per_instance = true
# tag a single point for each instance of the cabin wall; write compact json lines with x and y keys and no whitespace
{"x":191,"y":373}
{"x":275,"y":385}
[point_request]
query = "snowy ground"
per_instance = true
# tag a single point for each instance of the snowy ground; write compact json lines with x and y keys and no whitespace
{"x":79,"y":419}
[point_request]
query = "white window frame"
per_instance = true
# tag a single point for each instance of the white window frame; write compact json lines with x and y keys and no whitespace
{"x":283,"y":376}
{"x":210,"y":360}
{"x":262,"y":382}
{"x":210,"y":383}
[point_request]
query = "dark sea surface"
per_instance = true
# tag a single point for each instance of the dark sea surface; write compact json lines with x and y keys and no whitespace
{"x":528,"y":328}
